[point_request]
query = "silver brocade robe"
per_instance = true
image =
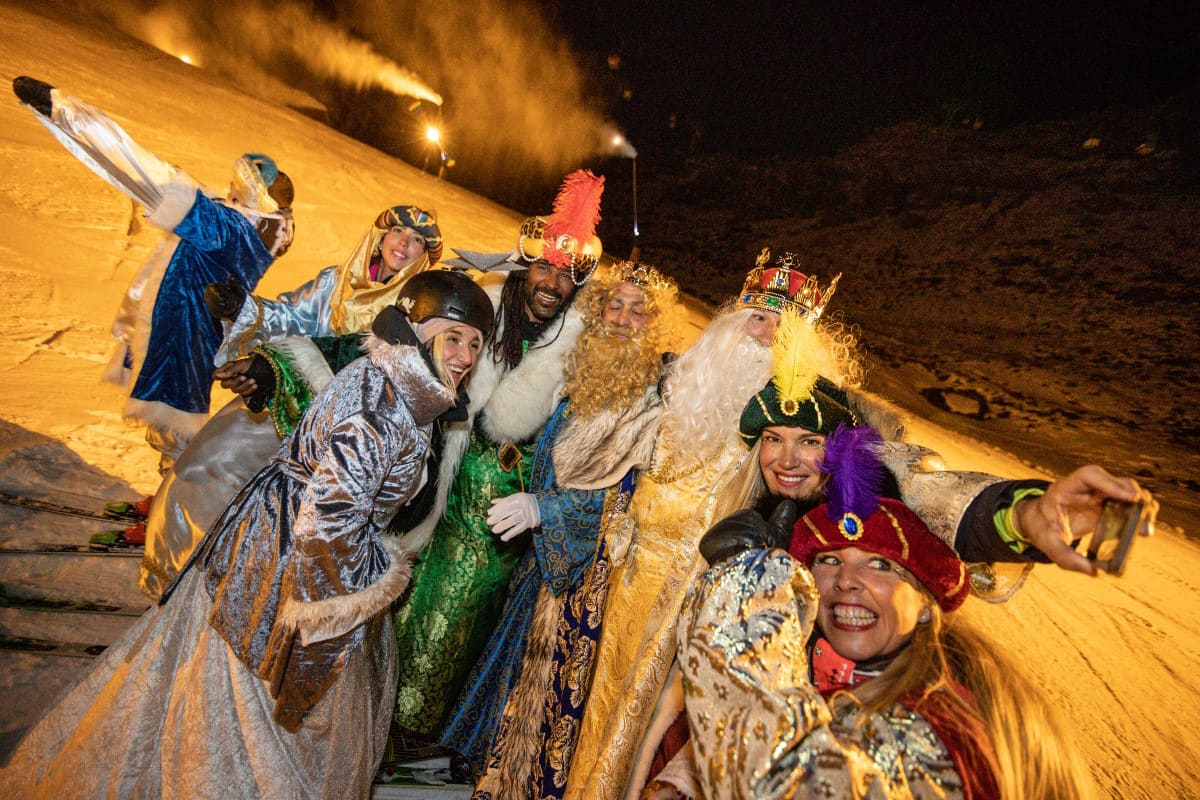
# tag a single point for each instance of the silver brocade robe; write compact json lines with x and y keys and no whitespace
{"x":301,"y":559}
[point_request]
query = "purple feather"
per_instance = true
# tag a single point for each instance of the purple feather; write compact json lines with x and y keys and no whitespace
{"x":856,"y":474}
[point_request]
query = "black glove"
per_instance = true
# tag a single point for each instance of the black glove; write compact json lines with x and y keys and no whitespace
{"x":262,"y":374}
{"x":747,"y":530}
{"x":224,"y":300}
{"x":34,"y":93}
{"x":392,"y":325}
{"x":738,"y":532}
{"x":782,"y":521}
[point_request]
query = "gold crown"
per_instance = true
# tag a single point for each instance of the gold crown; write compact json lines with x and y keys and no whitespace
{"x":642,"y":275}
{"x":782,"y":286}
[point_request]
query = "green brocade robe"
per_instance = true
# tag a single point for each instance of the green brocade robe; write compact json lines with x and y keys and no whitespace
{"x":458,"y":588}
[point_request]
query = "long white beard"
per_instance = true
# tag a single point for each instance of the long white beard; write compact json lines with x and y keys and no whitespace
{"x":708,"y":388}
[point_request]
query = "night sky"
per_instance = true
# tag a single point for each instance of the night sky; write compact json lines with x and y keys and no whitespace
{"x":754,"y":79}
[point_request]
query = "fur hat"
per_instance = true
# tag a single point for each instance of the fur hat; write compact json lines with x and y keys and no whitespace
{"x":421,"y":221}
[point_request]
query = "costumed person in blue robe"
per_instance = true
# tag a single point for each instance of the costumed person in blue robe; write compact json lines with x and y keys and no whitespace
{"x":277,"y":370}
{"x":517,"y":717}
{"x":269,"y":667}
{"x":167,"y":341}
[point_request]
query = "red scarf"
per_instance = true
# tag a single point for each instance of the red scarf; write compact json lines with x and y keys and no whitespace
{"x":963,"y":735}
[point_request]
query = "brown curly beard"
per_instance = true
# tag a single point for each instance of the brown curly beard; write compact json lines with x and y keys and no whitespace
{"x":607,"y":373}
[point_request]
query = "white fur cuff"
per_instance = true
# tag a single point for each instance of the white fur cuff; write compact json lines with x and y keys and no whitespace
{"x":178,"y":198}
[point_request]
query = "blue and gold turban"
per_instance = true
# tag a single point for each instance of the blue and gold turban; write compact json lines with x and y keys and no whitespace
{"x":420,"y":221}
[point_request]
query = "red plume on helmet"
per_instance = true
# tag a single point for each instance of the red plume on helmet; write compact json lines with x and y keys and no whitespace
{"x":572,"y":225}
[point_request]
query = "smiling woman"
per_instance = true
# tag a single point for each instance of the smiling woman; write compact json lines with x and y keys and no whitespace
{"x":871,"y":605}
{"x":269,"y":665}
{"x":857,"y":673}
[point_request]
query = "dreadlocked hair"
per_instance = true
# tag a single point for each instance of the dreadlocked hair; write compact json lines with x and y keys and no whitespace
{"x":505,"y":345}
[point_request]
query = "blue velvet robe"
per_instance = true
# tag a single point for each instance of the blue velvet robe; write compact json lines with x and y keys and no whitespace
{"x":215,"y":242}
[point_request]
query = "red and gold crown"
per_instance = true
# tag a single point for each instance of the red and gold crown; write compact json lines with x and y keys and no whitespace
{"x":783,"y":285}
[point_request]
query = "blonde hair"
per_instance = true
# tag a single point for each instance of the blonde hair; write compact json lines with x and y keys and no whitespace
{"x":745,"y":488}
{"x":437,"y":350}
{"x":845,"y":362}
{"x":626,"y":379}
{"x":1034,"y":752}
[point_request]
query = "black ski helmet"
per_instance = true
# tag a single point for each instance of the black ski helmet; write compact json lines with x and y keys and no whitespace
{"x":449,"y":294}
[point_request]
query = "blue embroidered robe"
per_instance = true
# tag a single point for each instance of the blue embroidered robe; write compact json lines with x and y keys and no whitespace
{"x":215,"y":242}
{"x":563,"y":548}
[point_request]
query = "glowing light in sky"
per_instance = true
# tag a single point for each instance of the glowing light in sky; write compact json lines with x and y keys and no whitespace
{"x":433,"y":134}
{"x":615,"y":143}
{"x":520,"y":99}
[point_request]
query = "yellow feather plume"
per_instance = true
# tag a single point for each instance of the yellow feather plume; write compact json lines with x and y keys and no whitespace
{"x":795,"y":348}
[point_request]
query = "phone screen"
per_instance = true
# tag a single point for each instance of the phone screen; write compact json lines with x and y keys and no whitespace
{"x":1113,"y":538}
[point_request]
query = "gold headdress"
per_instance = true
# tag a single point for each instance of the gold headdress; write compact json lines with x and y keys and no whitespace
{"x":567,"y":238}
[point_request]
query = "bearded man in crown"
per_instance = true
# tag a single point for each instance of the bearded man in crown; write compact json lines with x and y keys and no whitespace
{"x":517,"y":719}
{"x":653,"y":550}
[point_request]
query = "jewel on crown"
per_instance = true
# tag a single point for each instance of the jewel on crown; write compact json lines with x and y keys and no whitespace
{"x":784,"y":285}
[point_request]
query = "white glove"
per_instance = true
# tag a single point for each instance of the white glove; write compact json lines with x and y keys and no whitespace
{"x":514,"y":514}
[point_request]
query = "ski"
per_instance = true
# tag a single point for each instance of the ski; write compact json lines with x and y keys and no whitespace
{"x":50,"y":648}
{"x":71,"y":606}
{"x":56,"y":549}
{"x":70,"y":511}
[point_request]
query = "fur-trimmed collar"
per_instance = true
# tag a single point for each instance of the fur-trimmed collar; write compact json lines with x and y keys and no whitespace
{"x":596,"y":452}
{"x":405,"y":368}
{"x":520,"y":400}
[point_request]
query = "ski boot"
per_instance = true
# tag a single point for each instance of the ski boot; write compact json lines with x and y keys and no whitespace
{"x":133,"y":536}
{"x":139,"y":509}
{"x":34,"y":93}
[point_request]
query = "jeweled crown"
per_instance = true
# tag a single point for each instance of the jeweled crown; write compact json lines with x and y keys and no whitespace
{"x":783,"y":285}
{"x":642,"y":275}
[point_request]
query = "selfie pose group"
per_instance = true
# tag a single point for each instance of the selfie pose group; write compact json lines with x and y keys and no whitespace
{"x":487,"y":506}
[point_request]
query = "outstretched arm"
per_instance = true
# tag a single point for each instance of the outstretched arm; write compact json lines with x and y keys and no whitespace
{"x":98,"y":142}
{"x":1069,"y":510}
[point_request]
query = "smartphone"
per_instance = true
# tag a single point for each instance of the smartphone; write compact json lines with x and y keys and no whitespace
{"x":1119,"y":523}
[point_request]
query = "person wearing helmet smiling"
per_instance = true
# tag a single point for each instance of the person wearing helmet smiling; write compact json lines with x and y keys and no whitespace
{"x":269,"y":665}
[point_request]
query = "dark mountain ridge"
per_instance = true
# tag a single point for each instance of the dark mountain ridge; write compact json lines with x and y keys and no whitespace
{"x":1027,"y":282}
